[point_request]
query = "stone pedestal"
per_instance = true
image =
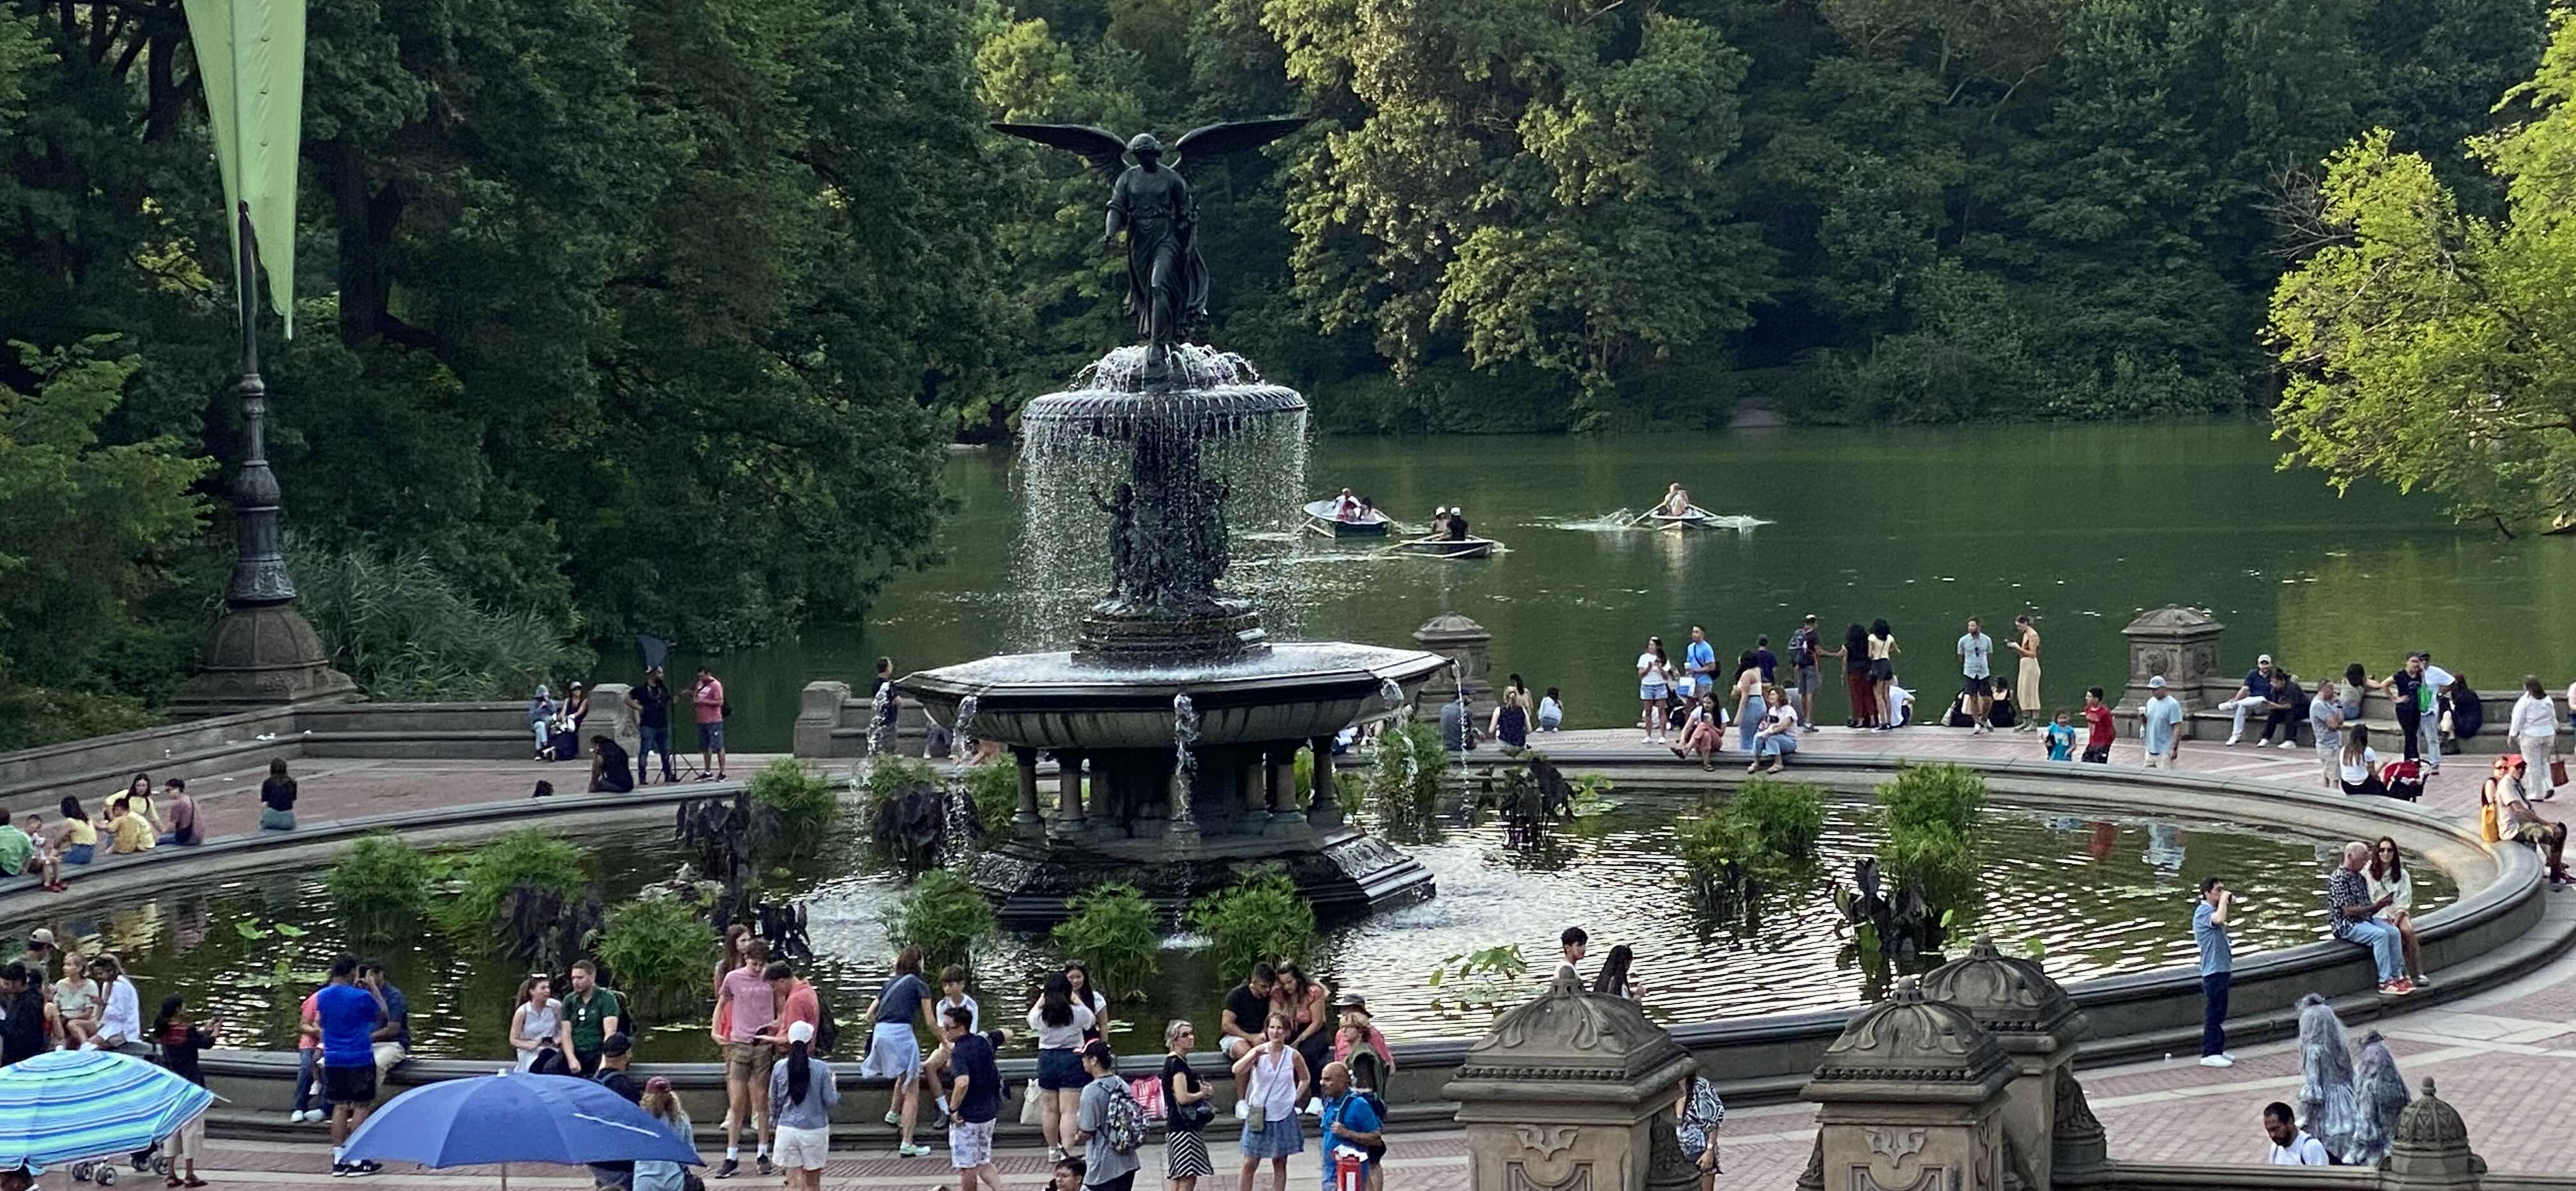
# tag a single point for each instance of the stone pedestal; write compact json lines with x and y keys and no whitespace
{"x":1571,"y":1092}
{"x":2030,"y":1017}
{"x":2429,"y":1149}
{"x":1911,"y":1098}
{"x":818,"y":712}
{"x":261,"y":655}
{"x":2181,"y":644}
{"x":1465,"y":643}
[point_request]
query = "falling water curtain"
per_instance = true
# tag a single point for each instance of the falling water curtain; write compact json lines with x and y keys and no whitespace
{"x":250,"y":54}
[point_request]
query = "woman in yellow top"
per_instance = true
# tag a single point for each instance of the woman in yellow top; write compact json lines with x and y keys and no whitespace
{"x":76,"y":840}
{"x":127,"y":831}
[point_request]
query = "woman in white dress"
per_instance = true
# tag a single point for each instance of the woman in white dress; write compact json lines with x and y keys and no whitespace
{"x":538,"y":1023}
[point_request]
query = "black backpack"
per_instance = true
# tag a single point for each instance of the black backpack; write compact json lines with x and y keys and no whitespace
{"x":827,"y":1032}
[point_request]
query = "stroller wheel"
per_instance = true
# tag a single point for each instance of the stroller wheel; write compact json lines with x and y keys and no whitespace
{"x":161,"y":1166}
{"x":106,"y":1174}
{"x":80,"y":1171}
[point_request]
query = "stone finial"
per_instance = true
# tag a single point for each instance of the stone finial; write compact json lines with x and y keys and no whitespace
{"x":1571,"y":1036}
{"x":2429,"y":1149}
{"x":2430,"y":1123}
{"x":1449,"y":628}
{"x":2011,"y":998}
{"x":1911,"y":1047}
{"x":2079,"y":1143}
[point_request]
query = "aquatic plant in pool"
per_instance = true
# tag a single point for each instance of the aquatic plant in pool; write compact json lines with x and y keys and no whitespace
{"x":1259,"y":918}
{"x":1115,"y":932}
{"x":383,"y":887}
{"x":942,"y":915}
{"x":658,"y":949}
{"x":2102,"y":895}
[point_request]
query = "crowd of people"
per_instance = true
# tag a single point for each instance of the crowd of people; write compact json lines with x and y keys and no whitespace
{"x":138,"y":818}
{"x":555,"y":726}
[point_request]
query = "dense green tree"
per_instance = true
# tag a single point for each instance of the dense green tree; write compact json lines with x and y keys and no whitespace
{"x":2435,"y":348}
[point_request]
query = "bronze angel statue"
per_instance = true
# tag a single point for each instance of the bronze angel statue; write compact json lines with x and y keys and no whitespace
{"x":1167,"y":282}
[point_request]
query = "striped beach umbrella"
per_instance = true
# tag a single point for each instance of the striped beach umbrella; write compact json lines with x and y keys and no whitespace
{"x":69,"y":1105}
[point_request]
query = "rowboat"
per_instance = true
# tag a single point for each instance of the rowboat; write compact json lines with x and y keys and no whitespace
{"x":1320,"y":518}
{"x":1697,"y":518}
{"x":1448,"y":548}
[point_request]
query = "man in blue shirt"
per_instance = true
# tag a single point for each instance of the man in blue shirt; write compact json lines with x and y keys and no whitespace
{"x":1700,"y":662}
{"x":2252,"y":695}
{"x":1349,"y":1120}
{"x":2217,"y":957}
{"x":349,"y":1015}
{"x":392,"y":1037}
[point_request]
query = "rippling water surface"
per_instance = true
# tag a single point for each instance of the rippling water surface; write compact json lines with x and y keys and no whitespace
{"x":2094,"y":897}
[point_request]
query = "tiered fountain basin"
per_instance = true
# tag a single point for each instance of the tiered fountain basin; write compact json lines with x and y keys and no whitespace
{"x":2113,"y":927}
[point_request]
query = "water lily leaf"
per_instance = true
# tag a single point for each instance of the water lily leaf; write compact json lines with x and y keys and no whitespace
{"x":291,"y":931}
{"x":250,"y":930}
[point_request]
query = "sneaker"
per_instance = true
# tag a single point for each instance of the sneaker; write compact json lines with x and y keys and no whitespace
{"x":909,"y":1150}
{"x":2216,"y":1061}
{"x":2420,"y":982}
{"x":363,"y":1169}
{"x":2290,"y":744}
{"x":2232,"y":741}
{"x":767,"y":1167}
{"x":892,"y":1119}
{"x":1650,"y":740}
{"x":940,"y":1124}
{"x":342,"y":1170}
{"x":727,"y":1170}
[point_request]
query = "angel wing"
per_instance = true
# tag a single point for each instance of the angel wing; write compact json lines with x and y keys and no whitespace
{"x":1217,"y":140}
{"x":1099,"y":146}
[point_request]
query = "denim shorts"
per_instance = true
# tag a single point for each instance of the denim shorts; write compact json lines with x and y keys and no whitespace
{"x":1060,"y":1070}
{"x":79,"y":853}
{"x":711,"y":736}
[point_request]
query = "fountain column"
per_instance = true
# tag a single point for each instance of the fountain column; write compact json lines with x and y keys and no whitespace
{"x":1323,"y":806}
{"x":1279,"y":774}
{"x":1025,"y":821}
{"x":1068,"y":800}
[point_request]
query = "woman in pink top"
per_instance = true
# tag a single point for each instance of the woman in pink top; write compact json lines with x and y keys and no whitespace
{"x":308,"y":1054}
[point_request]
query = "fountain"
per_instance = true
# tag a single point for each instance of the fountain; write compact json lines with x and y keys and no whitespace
{"x":1174,"y":720}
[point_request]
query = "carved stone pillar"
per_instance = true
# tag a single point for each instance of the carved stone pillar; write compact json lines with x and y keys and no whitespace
{"x":2429,"y":1149}
{"x":2030,"y":1017}
{"x":1323,"y":803}
{"x":1025,"y":820}
{"x":2180,"y":644}
{"x":1279,"y":776}
{"x":1068,"y":799}
{"x":1466,"y":643}
{"x":1571,"y":1092}
{"x":1911,"y":1099}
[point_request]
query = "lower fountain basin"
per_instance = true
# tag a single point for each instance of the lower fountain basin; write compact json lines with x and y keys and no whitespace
{"x":1297,"y":692}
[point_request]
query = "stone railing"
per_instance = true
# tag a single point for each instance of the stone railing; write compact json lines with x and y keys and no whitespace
{"x":39,"y":777}
{"x":833,"y":722}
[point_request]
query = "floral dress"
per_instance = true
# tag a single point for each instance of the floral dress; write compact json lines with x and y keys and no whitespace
{"x":1700,"y":1119}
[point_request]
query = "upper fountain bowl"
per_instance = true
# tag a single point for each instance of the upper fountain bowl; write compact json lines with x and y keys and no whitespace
{"x":1206,"y":393}
{"x":1297,"y":691}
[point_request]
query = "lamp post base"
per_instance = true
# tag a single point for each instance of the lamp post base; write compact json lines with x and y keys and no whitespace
{"x":261,"y":656}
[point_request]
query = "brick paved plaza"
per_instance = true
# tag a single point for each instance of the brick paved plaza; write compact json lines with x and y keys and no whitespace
{"x":2506,"y":1058}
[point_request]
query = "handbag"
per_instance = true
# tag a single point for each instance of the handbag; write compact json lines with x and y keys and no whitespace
{"x":1029,"y":1111}
{"x":2487,"y":822}
{"x":2557,"y":772}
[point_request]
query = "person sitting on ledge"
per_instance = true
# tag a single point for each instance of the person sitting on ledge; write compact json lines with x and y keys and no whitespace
{"x":609,"y":771}
{"x":2356,"y":919}
{"x":180,"y":826}
{"x":2516,"y":820}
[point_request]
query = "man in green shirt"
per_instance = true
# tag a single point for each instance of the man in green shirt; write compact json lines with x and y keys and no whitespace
{"x":15,"y":847}
{"x":593,"y":1012}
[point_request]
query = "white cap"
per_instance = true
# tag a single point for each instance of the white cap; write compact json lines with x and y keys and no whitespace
{"x":2264,"y":660}
{"x":2156,"y":683}
{"x":802,"y":1031}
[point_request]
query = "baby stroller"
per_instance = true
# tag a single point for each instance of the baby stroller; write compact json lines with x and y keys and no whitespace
{"x":2405,"y":779}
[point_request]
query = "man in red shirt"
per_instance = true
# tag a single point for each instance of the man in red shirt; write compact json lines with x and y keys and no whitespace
{"x":710,"y":700}
{"x":2097,"y":718}
{"x":795,"y":1000}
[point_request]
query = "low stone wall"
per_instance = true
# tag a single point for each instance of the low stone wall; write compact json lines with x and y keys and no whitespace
{"x":40,"y":777}
{"x":832,"y":722}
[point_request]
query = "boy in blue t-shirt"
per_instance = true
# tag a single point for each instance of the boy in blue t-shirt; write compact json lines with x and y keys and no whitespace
{"x":2061,"y":739}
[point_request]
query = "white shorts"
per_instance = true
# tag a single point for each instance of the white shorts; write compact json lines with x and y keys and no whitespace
{"x":802,"y":1149}
{"x":969,"y":1146}
{"x":189,"y":1142}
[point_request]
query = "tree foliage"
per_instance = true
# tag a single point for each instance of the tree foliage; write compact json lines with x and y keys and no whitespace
{"x":2430,"y":346}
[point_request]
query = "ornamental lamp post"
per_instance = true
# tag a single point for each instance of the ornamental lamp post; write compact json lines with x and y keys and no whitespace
{"x":250,"y":55}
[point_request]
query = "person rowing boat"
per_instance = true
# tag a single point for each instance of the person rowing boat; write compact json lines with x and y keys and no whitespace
{"x":1676,"y":502}
{"x":1346,"y":507}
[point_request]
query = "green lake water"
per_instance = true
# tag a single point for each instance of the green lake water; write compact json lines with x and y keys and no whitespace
{"x":2084,"y":526}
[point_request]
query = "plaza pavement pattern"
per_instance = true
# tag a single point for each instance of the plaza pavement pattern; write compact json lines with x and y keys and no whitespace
{"x":2505,"y":1057}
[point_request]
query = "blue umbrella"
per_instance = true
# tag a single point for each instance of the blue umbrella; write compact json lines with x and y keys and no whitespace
{"x":492,"y":1119}
{"x":77,"y":1104}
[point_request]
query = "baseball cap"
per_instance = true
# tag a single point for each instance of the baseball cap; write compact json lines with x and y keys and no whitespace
{"x":2264,"y":660}
{"x":657,"y":1084}
{"x":2156,"y":683}
{"x":41,"y":937}
{"x":802,"y":1031}
{"x":618,"y":1044}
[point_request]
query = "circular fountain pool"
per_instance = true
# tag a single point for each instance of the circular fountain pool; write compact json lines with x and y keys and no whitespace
{"x":2098,"y":896}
